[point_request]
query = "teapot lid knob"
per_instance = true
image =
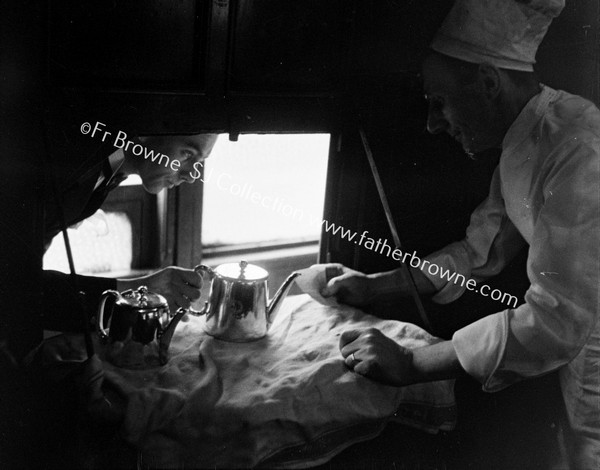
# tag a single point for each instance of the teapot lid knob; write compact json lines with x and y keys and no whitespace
{"x":242,"y":271}
{"x":243,"y":265}
{"x":143,"y":291}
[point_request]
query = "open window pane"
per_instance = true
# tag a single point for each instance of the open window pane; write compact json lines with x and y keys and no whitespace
{"x":102,"y":243}
{"x":264,"y":189}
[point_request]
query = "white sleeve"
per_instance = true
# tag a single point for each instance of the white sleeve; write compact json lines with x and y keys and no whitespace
{"x":562,"y":304}
{"x":490,"y":243}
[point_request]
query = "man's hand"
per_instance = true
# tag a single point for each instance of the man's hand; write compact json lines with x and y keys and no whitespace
{"x":179,"y":286}
{"x":374,"y":355}
{"x":360,"y":290}
{"x":349,"y":287}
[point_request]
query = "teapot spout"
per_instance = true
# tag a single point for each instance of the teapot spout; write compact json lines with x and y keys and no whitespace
{"x":165,"y":336}
{"x":276,"y":301}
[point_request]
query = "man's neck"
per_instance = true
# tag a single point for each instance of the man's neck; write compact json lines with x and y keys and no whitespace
{"x":513,"y":102}
{"x":519,"y":97}
{"x":126,"y":163}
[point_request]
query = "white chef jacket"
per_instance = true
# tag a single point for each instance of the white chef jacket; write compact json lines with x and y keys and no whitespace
{"x":545,"y":192}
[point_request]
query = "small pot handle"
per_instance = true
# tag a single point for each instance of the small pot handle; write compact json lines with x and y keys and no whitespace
{"x":201,"y":269}
{"x":100,"y":317}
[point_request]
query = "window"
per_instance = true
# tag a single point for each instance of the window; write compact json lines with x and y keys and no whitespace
{"x":262,"y":199}
{"x":120,"y":239}
{"x":101,"y":243}
{"x":264,"y":190}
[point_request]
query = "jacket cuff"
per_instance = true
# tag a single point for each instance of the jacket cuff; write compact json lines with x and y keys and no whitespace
{"x":480,"y":348}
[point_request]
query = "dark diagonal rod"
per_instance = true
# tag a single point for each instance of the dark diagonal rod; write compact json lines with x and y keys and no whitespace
{"x":87,"y":335}
{"x":388,"y":213}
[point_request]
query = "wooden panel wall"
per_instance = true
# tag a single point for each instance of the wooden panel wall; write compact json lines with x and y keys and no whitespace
{"x":569,"y":57}
{"x":22,"y":147}
{"x":184,"y":67}
{"x":155,"y":44}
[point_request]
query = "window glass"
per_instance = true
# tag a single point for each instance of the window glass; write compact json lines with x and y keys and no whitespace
{"x":101,"y":243}
{"x":132,"y":180}
{"x":264,"y":188}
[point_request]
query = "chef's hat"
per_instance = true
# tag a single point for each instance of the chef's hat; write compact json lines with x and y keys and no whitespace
{"x":505,"y":33}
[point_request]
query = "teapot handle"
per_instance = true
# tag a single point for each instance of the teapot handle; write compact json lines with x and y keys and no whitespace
{"x":100,"y":317}
{"x":201,"y":269}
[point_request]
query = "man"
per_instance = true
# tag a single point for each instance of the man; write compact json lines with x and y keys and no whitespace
{"x":42,"y":405}
{"x":545,"y":192}
{"x":85,"y":169}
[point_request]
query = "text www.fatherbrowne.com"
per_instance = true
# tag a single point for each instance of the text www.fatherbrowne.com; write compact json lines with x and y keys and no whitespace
{"x":380,"y":246}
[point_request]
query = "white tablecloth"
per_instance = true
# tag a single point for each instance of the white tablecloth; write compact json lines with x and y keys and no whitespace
{"x":286,"y":400}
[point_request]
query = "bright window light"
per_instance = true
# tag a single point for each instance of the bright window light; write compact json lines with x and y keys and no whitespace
{"x":101,"y":243}
{"x":132,"y":180}
{"x":264,"y":188}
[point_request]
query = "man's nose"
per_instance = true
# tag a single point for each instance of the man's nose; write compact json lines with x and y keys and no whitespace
{"x":186,"y":177}
{"x":436,"y":122}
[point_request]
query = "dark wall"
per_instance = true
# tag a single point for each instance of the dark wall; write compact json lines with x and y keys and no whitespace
{"x":177,"y":67}
{"x":22,"y":148}
{"x":569,"y":56}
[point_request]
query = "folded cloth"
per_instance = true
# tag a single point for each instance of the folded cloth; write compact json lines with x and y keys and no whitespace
{"x":287,"y":400}
{"x":312,"y":281}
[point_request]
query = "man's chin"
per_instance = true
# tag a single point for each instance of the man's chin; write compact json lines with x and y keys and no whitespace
{"x":472,"y":155}
{"x":472,"y":149}
{"x":481,"y":151}
{"x":475,"y":146}
{"x":153,"y":188}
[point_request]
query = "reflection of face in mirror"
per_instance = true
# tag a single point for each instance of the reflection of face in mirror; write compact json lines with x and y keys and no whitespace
{"x":171,"y":161}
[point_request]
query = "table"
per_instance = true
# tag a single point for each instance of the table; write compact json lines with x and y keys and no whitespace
{"x":285,"y":401}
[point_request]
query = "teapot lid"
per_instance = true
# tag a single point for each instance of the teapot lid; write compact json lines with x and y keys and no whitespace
{"x":242,"y":271}
{"x":141,"y":298}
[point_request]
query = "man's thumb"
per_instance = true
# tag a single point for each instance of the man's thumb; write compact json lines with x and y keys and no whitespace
{"x":332,"y":287}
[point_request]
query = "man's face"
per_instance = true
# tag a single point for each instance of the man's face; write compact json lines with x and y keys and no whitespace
{"x":459,"y":109}
{"x":187,"y":149}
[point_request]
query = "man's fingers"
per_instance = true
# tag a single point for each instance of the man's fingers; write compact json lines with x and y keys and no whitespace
{"x":330,"y":289}
{"x":184,"y":285}
{"x":334,"y":285}
{"x":351,"y":360}
{"x":183,"y":301}
{"x":333,"y":270}
{"x":347,"y":337}
{"x":190,"y":277}
{"x":191,"y":293}
{"x":362,"y":368}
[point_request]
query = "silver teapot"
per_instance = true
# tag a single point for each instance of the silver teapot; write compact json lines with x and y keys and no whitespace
{"x":138,"y":318}
{"x":237,"y":308}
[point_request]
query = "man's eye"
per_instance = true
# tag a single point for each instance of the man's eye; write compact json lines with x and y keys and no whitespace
{"x":187,"y":154}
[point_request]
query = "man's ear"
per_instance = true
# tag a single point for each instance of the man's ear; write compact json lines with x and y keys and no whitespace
{"x":490,"y":80}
